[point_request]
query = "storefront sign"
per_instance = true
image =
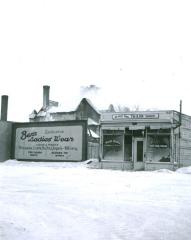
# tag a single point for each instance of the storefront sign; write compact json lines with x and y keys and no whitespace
{"x":135,"y":116}
{"x":158,"y":146}
{"x":49,"y":143}
{"x":112,"y":142}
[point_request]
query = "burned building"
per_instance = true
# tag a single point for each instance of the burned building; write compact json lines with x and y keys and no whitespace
{"x":53,"y":111}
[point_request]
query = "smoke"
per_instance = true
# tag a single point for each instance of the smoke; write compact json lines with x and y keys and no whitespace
{"x":89,"y":90}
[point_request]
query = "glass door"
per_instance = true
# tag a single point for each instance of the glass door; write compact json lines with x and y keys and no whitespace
{"x":138,"y":153}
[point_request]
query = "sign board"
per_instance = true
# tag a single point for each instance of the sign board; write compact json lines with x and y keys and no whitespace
{"x":58,"y":141}
{"x":135,"y":116}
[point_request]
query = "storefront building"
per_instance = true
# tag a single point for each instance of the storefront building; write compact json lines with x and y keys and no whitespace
{"x":145,"y":140}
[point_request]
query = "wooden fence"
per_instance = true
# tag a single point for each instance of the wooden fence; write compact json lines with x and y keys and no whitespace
{"x":93,"y":150}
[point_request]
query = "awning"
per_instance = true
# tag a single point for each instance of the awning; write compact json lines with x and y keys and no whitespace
{"x":112,"y":128}
{"x":160,"y":127}
{"x":136,"y":127}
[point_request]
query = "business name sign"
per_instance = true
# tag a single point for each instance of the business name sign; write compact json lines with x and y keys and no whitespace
{"x":50,"y":142}
{"x":135,"y":116}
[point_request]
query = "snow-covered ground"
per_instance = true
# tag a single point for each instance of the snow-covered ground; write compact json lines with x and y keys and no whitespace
{"x":58,"y":201}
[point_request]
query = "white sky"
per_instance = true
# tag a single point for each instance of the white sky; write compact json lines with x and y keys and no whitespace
{"x":137,"y":52}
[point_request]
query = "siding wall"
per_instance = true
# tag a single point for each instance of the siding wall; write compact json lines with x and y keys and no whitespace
{"x":5,"y":140}
{"x":185,"y":147}
{"x":185,"y":141}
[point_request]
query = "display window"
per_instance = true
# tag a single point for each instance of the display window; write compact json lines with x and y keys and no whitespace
{"x":158,"y":148}
{"x":113,"y":147}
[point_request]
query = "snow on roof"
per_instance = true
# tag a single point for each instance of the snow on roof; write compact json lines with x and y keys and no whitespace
{"x":33,"y":114}
{"x":92,"y":122}
{"x":41,"y":113}
{"x":92,"y":133}
{"x":64,"y":107}
{"x":60,"y":108}
{"x":70,"y":106}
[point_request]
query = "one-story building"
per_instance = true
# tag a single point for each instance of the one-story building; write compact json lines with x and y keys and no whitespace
{"x":145,"y":140}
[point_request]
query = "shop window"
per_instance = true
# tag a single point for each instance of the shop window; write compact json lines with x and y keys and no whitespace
{"x":113,"y":147}
{"x":159,"y":141}
{"x":158,"y":148}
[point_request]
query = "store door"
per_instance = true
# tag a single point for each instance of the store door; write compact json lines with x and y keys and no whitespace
{"x":138,"y":153}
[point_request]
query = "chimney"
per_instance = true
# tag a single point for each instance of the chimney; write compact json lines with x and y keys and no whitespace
{"x":4,"y":107}
{"x":46,"y":90}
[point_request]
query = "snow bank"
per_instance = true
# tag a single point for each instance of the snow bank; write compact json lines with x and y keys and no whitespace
{"x":45,"y":164}
{"x":185,"y":170}
{"x":164,"y":171}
